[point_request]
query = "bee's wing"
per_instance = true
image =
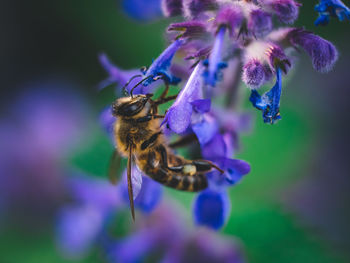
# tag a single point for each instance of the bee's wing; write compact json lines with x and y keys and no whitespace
{"x":130,"y":191}
{"x":114,"y":171}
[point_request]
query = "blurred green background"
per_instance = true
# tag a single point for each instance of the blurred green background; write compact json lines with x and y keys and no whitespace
{"x":292,"y":207}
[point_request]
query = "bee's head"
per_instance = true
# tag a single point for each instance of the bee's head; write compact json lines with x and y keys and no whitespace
{"x":130,"y":106}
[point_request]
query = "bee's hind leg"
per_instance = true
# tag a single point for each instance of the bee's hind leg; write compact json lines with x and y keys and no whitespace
{"x":205,"y":166}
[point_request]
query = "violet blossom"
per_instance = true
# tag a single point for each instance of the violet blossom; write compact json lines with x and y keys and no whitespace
{"x":213,"y":34}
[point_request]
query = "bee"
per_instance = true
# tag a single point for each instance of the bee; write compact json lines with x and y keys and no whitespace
{"x":139,"y":138}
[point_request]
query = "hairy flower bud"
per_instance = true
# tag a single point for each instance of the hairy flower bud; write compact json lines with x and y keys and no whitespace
{"x":253,"y":74}
{"x":172,"y":7}
{"x":259,"y":23}
{"x":193,"y":8}
{"x":230,"y":16}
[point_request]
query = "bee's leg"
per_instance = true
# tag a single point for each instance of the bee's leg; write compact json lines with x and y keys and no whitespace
{"x":149,"y":141}
{"x":165,"y":92}
{"x":164,"y":100}
{"x":205,"y":166}
{"x":183,"y":141}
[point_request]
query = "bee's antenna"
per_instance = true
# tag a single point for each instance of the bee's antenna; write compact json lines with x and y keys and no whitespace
{"x":127,"y":84}
{"x":140,"y":82}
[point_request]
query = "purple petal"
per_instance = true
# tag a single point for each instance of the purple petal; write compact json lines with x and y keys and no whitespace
{"x":94,"y":192}
{"x":179,"y":117}
{"x":211,"y":208}
{"x":77,"y":230}
{"x":253,"y":74}
{"x":278,"y":58}
{"x":322,"y":52}
{"x":179,"y":114}
{"x":189,"y":29}
{"x":205,"y":128}
{"x":107,"y":120}
{"x":193,"y":8}
{"x":286,"y":10}
{"x":212,"y":74}
{"x":116,"y":75}
{"x":202,"y":53}
{"x":160,"y":67}
{"x":201,"y":106}
{"x":234,"y":172}
{"x":230,"y":16}
{"x":215,"y":148}
{"x":236,"y":169}
{"x":135,"y":247}
{"x":172,"y":7}
{"x":259,"y":23}
{"x":120,"y":77}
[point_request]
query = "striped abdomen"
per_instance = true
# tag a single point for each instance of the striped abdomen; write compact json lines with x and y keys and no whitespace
{"x":174,"y":171}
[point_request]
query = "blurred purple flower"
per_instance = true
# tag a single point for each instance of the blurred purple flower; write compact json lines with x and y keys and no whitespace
{"x":212,"y":208}
{"x":43,"y":124}
{"x":165,"y":237}
{"x":80,"y":225}
{"x":143,"y":10}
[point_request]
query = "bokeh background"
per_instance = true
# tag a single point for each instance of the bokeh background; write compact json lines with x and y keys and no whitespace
{"x":292,"y":207}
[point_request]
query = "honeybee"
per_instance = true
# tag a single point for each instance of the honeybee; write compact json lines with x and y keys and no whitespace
{"x":139,"y":138}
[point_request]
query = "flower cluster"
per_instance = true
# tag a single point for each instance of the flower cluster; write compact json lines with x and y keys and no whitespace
{"x":219,"y":41}
{"x":97,"y":204}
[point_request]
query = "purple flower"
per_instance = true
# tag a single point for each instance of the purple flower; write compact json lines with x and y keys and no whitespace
{"x":160,"y":67}
{"x":165,"y":237}
{"x":143,"y":10}
{"x":44,"y":123}
{"x":286,"y":10}
{"x":78,"y":228}
{"x":205,"y":247}
{"x":194,"y":8}
{"x":259,"y":23}
{"x":80,"y":225}
{"x":230,"y":17}
{"x":117,"y":76}
{"x":107,"y":121}
{"x":215,"y":64}
{"x":322,"y":52}
{"x":328,"y":8}
{"x":253,"y":74}
{"x":178,"y":116}
{"x":172,"y":7}
{"x":205,"y":127}
{"x":212,"y":208}
{"x":269,"y":102}
{"x":189,"y":29}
